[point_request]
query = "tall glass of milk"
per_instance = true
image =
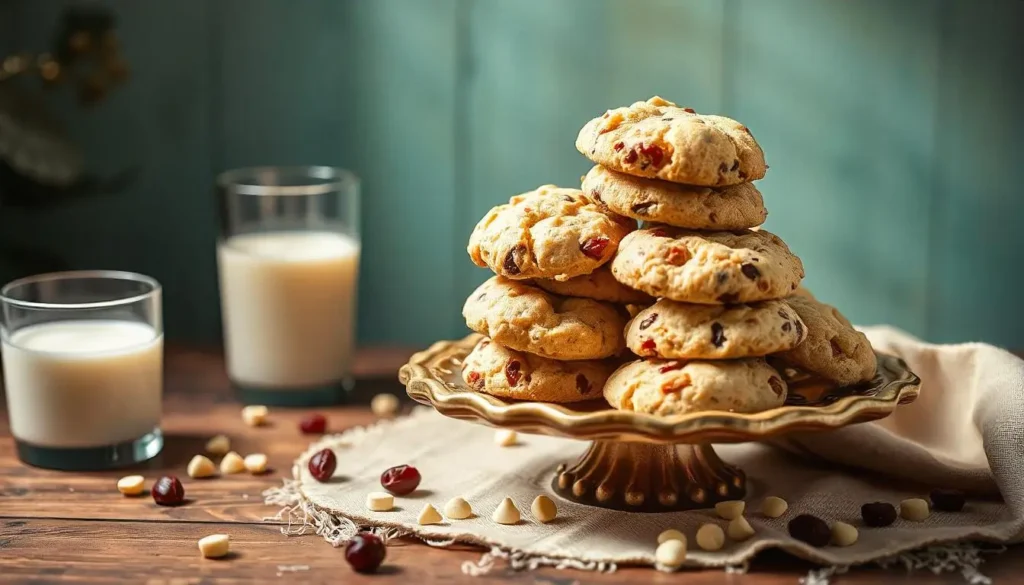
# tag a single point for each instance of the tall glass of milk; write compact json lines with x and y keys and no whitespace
{"x":288,"y":259}
{"x":83,"y":368}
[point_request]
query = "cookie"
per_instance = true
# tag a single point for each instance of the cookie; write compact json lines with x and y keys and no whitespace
{"x":500,"y":371}
{"x":707,"y":267}
{"x":735,"y":207}
{"x":670,"y":329}
{"x":551,"y":232}
{"x":526,"y":318}
{"x":668,"y":387}
{"x":661,"y":140}
{"x":803,"y":292}
{"x":833,"y":349}
{"x":599,"y":285}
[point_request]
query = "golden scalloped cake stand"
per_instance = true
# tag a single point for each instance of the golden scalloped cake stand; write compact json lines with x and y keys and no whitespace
{"x":643,"y":463}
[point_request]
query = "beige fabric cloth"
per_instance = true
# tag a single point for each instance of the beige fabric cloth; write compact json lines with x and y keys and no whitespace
{"x":965,"y":430}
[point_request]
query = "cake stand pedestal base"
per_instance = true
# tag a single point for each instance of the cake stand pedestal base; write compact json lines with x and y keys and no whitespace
{"x":646,"y":477}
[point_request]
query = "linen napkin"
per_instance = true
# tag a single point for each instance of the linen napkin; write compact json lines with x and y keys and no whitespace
{"x":964,"y":431}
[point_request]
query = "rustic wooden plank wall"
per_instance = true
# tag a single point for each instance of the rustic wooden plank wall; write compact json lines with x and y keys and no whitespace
{"x":892,"y":130}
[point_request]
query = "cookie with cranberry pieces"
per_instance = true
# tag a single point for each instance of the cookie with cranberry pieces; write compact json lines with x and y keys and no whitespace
{"x":670,"y":329}
{"x":506,"y":373}
{"x":833,"y":349}
{"x":704,"y":208}
{"x":673,"y":387}
{"x":525,"y":318}
{"x":660,"y":140}
{"x":707,"y":267}
{"x":599,"y":285}
{"x":551,"y":232}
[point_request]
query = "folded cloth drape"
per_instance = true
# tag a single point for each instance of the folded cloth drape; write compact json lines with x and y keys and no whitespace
{"x":964,"y":431}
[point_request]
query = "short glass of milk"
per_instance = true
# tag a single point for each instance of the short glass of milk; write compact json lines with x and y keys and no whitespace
{"x":83,"y":368}
{"x":288,"y":261}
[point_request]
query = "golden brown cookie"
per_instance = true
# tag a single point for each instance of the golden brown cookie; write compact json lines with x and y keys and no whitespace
{"x":833,"y":349}
{"x":599,"y":285}
{"x":661,"y":140}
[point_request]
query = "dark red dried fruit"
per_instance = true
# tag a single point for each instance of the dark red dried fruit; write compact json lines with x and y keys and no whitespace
{"x":513,"y":372}
{"x":510,"y":264}
{"x":745,"y":129}
{"x":948,"y":500}
{"x":314,"y":424}
{"x":675,"y":365}
{"x":836,"y":350}
{"x":642,"y":208}
{"x":776,"y":385}
{"x":659,"y":232}
{"x":678,"y":256}
{"x":618,"y":146}
{"x":786,"y":326}
{"x":474,"y":378}
{"x":401,"y":480}
{"x":582,"y":384}
{"x":654,"y":154}
{"x":649,"y":346}
{"x":717,"y":334}
{"x":594,"y":247}
{"x":322,"y":465}
{"x":878,"y":514}
{"x":810,"y":529}
{"x":648,"y":321}
{"x":631,"y":157}
{"x":365,"y":552}
{"x":750,"y":271}
{"x":168,"y":491}
{"x":690,"y":110}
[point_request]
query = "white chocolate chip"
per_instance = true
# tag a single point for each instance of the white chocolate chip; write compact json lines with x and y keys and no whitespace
{"x":131,"y":485}
{"x":671,"y":534}
{"x":201,"y":466}
{"x":710,"y":537}
{"x":380,"y":501}
{"x":671,"y":553}
{"x":730,"y":510}
{"x":458,"y":509}
{"x":384,"y":405}
{"x":843,"y":534}
{"x":739,"y":529}
{"x":218,"y":445}
{"x":773,"y":507}
{"x":543,"y":509}
{"x":255,"y":463}
{"x":914,"y":509}
{"x":505,"y":437}
{"x":429,"y":515}
{"x":255,"y":415}
{"x":215,"y":546}
{"x":232,"y":463}
{"x":506,"y":512}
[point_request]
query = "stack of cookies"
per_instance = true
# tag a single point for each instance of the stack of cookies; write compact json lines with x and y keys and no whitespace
{"x":714,"y":304}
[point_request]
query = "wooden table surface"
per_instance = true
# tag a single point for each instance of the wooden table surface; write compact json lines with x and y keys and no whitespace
{"x":57,"y":526}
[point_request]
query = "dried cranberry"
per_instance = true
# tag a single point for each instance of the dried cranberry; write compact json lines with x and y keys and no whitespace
{"x":673,"y":365}
{"x":322,"y":465}
{"x":513,"y":372}
{"x":810,"y":529}
{"x":474,"y":379}
{"x":690,"y":110}
{"x":659,"y":232}
{"x":750,"y":271}
{"x":365,"y":552}
{"x":654,"y":153}
{"x":168,"y":491}
{"x":678,"y":256}
{"x":648,"y":321}
{"x":401,"y":480}
{"x":717,"y":334}
{"x":314,"y":424}
{"x":776,"y":385}
{"x":631,"y":157}
{"x":594,"y":247}
{"x":649,"y":346}
{"x":618,"y":146}
{"x":582,"y":384}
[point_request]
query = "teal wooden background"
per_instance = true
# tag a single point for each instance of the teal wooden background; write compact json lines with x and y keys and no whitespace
{"x":894,"y":131}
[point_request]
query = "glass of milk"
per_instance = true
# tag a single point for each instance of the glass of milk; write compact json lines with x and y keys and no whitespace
{"x":83,"y":368}
{"x":288,"y":258}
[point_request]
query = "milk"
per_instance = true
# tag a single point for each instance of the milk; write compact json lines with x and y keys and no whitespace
{"x":85,"y":383}
{"x":288,"y":302}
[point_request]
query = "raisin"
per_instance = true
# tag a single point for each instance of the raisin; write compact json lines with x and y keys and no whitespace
{"x":618,"y":146}
{"x":649,"y":346}
{"x":723,"y":168}
{"x":836,"y":350}
{"x":783,"y":314}
{"x":728,"y":298}
{"x":742,"y":175}
{"x":799,"y":329}
{"x":511,"y":264}
{"x":750,"y":271}
{"x":735,"y":164}
{"x":569,"y":198}
{"x":641,"y":208}
{"x":528,"y":378}
{"x":690,"y":110}
{"x":717,"y":334}
{"x":582,"y":384}
{"x":713,"y":217}
{"x":722,"y":277}
{"x":947,"y":500}
{"x":878,"y":514}
{"x":678,"y":256}
{"x":513,"y":372}
{"x":648,"y":321}
{"x":631,"y":157}
{"x":776,"y":385}
{"x":810,"y":529}
{"x":594,"y":247}
{"x":673,"y":365}
{"x":786,"y":326}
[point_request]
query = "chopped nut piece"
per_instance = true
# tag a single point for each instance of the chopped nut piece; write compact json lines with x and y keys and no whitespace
{"x":218,"y":445}
{"x":232,"y":463}
{"x":384,"y":405}
{"x":201,"y":466}
{"x":215,"y":546}
{"x":256,"y":463}
{"x":506,"y":512}
{"x":255,"y":415}
{"x":710,"y":537}
{"x":131,"y":485}
{"x":739,"y":529}
{"x":671,"y":553}
{"x":505,"y":437}
{"x":773,"y":507}
{"x":429,"y":515}
{"x":914,"y":509}
{"x":543,"y":509}
{"x":458,"y":509}
{"x":843,"y":534}
{"x":730,"y":510}
{"x":380,"y":501}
